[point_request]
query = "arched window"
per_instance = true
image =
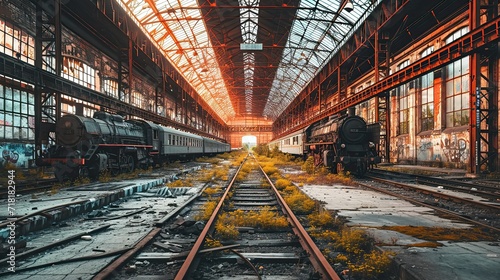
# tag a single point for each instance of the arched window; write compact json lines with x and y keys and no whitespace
{"x":137,"y":98}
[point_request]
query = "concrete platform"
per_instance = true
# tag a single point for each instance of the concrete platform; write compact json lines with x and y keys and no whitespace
{"x":368,"y":209}
{"x":124,"y":230}
{"x":76,"y":201}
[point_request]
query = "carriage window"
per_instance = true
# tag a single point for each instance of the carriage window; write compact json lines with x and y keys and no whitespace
{"x":155,"y":134}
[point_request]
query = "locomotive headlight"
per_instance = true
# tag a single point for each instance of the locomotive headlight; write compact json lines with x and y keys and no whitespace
{"x":371,"y":145}
{"x":342,"y":146}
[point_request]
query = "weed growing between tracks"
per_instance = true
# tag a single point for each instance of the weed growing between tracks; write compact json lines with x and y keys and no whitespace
{"x":351,"y":251}
{"x":349,"y":248}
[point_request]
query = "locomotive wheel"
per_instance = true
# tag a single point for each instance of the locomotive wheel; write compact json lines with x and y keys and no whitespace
{"x":131,"y":164}
{"x":115,"y":171}
{"x":84,"y":172}
{"x":361,"y":169}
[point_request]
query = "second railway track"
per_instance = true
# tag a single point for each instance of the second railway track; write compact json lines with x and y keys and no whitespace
{"x":476,"y":211}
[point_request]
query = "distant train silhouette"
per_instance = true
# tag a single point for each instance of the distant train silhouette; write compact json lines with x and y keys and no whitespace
{"x":342,"y":142}
{"x":87,"y":146}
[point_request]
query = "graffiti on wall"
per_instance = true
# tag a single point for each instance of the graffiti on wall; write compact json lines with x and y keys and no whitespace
{"x":17,"y":154}
{"x":425,"y":150}
{"x":455,"y":149}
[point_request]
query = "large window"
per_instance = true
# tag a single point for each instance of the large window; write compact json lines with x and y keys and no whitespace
{"x":16,"y":114}
{"x":404,"y":110}
{"x":137,"y":99}
{"x":78,"y":72}
{"x":427,"y":97}
{"x":457,"y":87}
{"x":16,"y":42}
{"x":110,"y":87}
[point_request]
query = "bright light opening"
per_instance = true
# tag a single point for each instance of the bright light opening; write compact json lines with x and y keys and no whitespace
{"x":249,"y":141}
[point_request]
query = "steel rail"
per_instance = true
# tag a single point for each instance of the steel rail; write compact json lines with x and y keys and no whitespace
{"x":437,"y":194}
{"x":108,"y":270}
{"x":441,"y":195}
{"x":190,"y":259}
{"x":316,"y":257}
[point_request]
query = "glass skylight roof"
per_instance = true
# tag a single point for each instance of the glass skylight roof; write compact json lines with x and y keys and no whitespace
{"x":178,"y":30}
{"x":318,"y":31}
{"x":317,"y":34}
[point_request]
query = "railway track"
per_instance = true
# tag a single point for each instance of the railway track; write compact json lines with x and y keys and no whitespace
{"x":250,"y":233}
{"x":487,"y":189}
{"x":474,"y":210}
{"x":77,"y":231}
{"x":29,"y":187}
{"x":163,"y":232}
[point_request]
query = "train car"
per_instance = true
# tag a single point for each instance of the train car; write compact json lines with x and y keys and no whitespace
{"x":292,"y":143}
{"x":341,"y":143}
{"x":180,"y":144}
{"x":211,"y":146}
{"x":87,"y":146}
{"x":344,"y":143}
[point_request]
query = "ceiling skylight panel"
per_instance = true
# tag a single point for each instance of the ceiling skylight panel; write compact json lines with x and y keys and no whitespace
{"x":327,"y":31}
{"x":172,"y":25}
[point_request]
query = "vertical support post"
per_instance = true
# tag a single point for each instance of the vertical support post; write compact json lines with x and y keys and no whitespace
{"x":475,"y":101}
{"x":48,"y":56}
{"x":38,"y":87}
{"x":377,"y":74}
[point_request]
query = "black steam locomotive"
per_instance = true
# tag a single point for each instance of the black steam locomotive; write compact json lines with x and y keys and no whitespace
{"x":87,"y":146}
{"x":342,"y":142}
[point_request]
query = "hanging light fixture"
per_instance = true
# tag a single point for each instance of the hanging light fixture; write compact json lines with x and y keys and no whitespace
{"x":349,"y":6}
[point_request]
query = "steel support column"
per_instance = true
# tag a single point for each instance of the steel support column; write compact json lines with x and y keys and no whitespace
{"x":382,"y":100}
{"x":483,"y":121}
{"x":48,"y":56}
{"x":125,"y":66}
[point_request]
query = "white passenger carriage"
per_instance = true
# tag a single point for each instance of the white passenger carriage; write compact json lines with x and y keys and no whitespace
{"x":290,"y":144}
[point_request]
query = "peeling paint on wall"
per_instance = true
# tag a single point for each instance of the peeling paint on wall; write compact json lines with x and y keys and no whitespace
{"x":425,"y":150}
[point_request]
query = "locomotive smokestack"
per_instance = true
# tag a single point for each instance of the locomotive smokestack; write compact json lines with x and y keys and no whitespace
{"x":351,"y":111}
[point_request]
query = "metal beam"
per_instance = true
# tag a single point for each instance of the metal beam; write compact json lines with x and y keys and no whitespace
{"x":468,"y":44}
